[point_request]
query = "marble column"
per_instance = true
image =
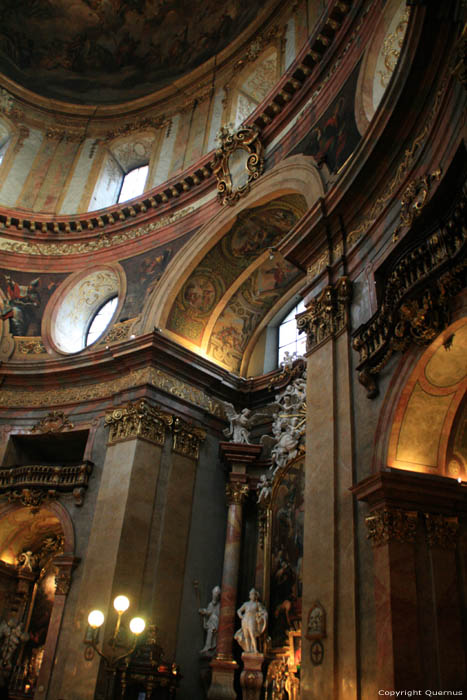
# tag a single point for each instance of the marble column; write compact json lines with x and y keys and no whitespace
{"x":238,"y":456}
{"x":329,"y":532}
{"x":116,"y":556}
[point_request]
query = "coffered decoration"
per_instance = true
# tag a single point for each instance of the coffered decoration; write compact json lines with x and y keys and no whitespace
{"x":238,"y":162}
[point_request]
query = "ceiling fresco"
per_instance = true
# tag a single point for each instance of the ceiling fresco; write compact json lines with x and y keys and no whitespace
{"x":253,"y":232}
{"x":110,"y":51}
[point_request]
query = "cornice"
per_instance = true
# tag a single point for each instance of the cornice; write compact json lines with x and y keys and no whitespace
{"x":197,"y":179}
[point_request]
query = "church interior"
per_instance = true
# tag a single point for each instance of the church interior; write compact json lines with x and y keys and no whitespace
{"x":233,"y":342}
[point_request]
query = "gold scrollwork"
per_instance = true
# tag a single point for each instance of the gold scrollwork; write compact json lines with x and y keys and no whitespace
{"x":138,"y":420}
{"x":187,"y":438}
{"x":388,"y":525}
{"x":236,"y":492}
{"x":32,"y":498}
{"x":414,"y":199}
{"x":244,"y":139}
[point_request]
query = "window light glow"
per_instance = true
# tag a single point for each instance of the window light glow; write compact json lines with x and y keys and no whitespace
{"x":133,"y":183}
{"x":289,"y":339}
{"x":101,"y":320}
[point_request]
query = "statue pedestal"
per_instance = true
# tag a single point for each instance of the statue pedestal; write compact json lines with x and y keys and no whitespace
{"x":251,"y":678}
{"x":222,"y":683}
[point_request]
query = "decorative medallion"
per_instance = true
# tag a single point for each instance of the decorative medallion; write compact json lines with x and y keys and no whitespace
{"x":53,"y":422}
{"x":317,"y":653}
{"x":316,"y":625}
{"x":237,"y":163}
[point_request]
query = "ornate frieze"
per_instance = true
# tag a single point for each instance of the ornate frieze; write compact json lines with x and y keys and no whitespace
{"x":30,"y":346}
{"x":393,"y":524}
{"x":138,"y":420}
{"x":327,"y":314}
{"x":236,"y":492}
{"x":237,"y":163}
{"x":441,"y":530}
{"x":187,"y":438}
{"x":53,"y":422}
{"x":415,"y":303}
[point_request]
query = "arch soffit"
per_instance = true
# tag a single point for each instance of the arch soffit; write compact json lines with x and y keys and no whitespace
{"x":20,"y":528}
{"x":418,"y":415}
{"x":295,"y":175}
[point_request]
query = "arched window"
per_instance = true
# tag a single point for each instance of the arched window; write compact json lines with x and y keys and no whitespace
{"x":133,"y":183}
{"x":289,"y":339}
{"x":101,"y":320}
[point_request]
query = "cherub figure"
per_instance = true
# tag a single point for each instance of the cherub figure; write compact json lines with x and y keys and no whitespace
{"x":264,"y":489}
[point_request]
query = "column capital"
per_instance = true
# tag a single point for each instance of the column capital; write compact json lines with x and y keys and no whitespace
{"x":236,"y":492}
{"x":187,"y":438}
{"x":392,"y":524}
{"x":441,"y":530}
{"x":138,"y":420}
{"x":327,"y":314}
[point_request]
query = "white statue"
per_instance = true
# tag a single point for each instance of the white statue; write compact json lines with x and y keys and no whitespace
{"x":241,"y":423}
{"x":254,"y":617}
{"x":11,"y":633}
{"x":211,"y":621}
{"x":264,"y":489}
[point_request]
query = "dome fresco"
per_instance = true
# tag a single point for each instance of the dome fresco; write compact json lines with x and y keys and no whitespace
{"x":110,"y":51}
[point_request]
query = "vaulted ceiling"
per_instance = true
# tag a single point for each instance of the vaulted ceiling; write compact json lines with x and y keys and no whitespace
{"x":108,"y":51}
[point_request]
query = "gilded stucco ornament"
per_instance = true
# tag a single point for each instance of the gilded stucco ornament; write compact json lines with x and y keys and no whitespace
{"x":138,"y":420}
{"x":414,"y":199}
{"x":392,"y":524}
{"x":53,"y":422}
{"x":187,"y":438}
{"x":236,"y":492}
{"x":441,"y":530}
{"x":327,"y":314}
{"x":33,"y":483}
{"x":416,"y":297}
{"x":237,"y":163}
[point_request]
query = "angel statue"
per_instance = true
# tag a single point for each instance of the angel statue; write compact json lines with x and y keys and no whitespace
{"x":254,"y":617}
{"x":241,"y":423}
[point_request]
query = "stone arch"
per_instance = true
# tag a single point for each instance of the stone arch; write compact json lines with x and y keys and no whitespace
{"x":420,"y":424}
{"x":295,"y":175}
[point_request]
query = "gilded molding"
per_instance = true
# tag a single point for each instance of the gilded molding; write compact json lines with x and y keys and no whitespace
{"x":91,"y":392}
{"x":104,"y":240}
{"x":187,"y":438}
{"x":118,"y":332}
{"x":138,"y":420}
{"x":244,"y":139}
{"x":390,"y":525}
{"x":236,"y":492}
{"x":327,"y":314}
{"x":415,"y":304}
{"x":53,"y":422}
{"x":441,"y":530}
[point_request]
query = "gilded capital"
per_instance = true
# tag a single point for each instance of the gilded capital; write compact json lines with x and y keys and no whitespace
{"x":327,"y":314}
{"x":441,"y":530}
{"x":390,"y":525}
{"x":138,"y":420}
{"x":187,"y":438}
{"x":236,"y":492}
